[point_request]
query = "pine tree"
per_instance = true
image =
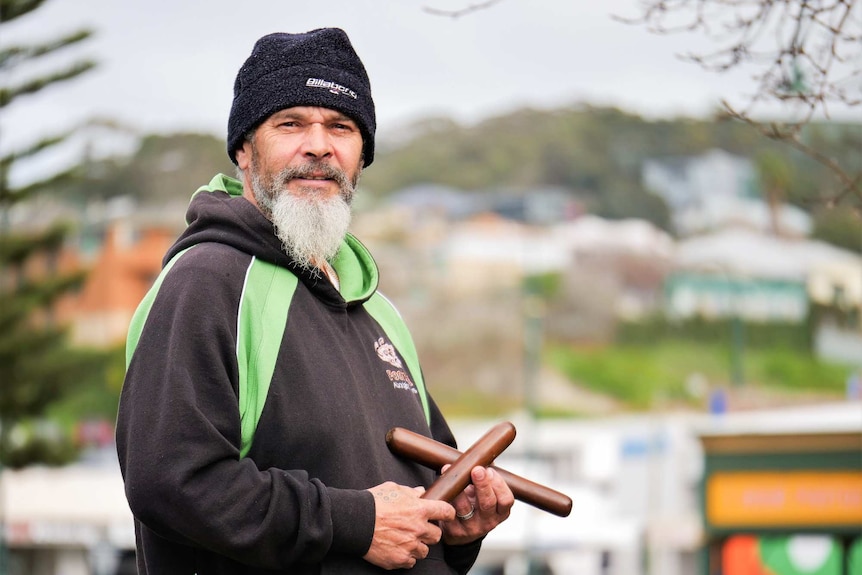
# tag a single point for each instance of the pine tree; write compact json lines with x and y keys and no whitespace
{"x":38,"y":364}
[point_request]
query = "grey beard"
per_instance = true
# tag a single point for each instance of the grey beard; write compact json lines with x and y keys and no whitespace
{"x":311,"y":228}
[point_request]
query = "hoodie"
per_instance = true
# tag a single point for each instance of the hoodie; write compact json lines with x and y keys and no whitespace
{"x":250,"y":450}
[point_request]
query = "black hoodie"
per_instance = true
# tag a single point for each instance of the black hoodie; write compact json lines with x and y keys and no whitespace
{"x":293,"y":498}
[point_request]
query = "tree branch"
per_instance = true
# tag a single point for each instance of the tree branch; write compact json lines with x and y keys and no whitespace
{"x":790,"y":134}
{"x":806,"y":57}
{"x":461,"y":12}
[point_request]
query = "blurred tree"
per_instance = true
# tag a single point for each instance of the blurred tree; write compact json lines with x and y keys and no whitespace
{"x":37,"y":362}
{"x":807,"y":58}
{"x":163,"y":169}
{"x":838,"y":227}
{"x":775,"y":173}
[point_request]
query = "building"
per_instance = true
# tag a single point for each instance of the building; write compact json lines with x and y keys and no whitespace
{"x":124,"y":268}
{"x":67,"y":521}
{"x":716,"y":189}
{"x":782,"y":493}
{"x":759,"y":277}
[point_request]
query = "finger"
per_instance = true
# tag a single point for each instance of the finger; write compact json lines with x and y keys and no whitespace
{"x":432,"y":535}
{"x":463,"y":506}
{"x":482,"y":481}
{"x":502,"y":490}
{"x":464,"y":510}
{"x":502,"y":493}
{"x":438,"y":510}
{"x":470,"y":492}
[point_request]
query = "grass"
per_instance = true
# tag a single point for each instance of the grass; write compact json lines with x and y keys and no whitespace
{"x":467,"y":402}
{"x":641,"y":375}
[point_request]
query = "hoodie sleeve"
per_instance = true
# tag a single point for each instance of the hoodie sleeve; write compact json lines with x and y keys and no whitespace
{"x":178,"y":435}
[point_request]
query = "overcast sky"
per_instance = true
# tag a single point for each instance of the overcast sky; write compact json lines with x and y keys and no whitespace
{"x":169,"y":65}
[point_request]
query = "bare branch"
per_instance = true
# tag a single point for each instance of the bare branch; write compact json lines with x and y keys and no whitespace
{"x":790,"y":134}
{"x":461,"y":12}
{"x":805,"y":55}
{"x":808,"y":40}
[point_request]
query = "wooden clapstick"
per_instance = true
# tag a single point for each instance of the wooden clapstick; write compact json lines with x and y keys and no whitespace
{"x":433,"y":454}
{"x":483,"y":452}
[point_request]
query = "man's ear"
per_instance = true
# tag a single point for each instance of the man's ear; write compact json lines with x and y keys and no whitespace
{"x":243,"y":155}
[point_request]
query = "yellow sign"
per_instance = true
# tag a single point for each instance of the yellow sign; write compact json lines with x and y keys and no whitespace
{"x":794,"y":498}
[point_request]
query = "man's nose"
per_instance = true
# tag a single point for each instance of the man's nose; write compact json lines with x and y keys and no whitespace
{"x":317,"y":142}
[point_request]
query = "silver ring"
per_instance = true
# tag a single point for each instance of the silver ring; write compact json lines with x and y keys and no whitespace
{"x":466,"y":516}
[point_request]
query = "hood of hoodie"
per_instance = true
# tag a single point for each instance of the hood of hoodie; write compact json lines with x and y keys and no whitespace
{"x":218,"y":213}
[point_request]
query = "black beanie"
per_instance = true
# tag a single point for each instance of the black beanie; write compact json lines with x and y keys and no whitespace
{"x":317,"y":68}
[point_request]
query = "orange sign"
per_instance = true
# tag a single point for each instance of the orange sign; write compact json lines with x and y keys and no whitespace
{"x":792,"y":498}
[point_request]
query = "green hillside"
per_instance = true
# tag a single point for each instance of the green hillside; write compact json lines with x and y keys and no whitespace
{"x":595,"y":153}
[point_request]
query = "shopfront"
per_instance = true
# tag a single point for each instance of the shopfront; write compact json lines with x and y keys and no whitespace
{"x":784,"y":500}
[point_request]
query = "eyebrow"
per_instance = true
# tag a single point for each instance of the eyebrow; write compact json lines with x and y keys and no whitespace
{"x":288,"y":115}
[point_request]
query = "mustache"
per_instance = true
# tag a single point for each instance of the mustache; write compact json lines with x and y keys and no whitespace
{"x":313,"y":169}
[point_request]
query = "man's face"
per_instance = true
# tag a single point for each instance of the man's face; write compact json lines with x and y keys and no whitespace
{"x":313,"y":144}
{"x":300,"y":169}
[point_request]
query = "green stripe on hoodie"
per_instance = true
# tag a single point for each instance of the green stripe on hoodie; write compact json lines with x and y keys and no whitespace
{"x":266,"y":296}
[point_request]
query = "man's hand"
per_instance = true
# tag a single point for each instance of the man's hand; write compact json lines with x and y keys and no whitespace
{"x":403,"y":527}
{"x":480,"y":507}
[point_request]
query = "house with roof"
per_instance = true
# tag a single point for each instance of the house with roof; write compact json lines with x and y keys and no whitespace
{"x":758,"y":277}
{"x":122,"y":271}
{"x":715,"y":189}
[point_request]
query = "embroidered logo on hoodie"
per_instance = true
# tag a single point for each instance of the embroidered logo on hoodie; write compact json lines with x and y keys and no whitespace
{"x":386,"y":352}
{"x":399,"y":377}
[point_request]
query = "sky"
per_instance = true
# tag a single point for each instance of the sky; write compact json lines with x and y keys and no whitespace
{"x":169,"y":65}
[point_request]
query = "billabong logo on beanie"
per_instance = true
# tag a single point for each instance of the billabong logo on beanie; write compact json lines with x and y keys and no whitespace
{"x":316,"y":68}
{"x":331,"y":86}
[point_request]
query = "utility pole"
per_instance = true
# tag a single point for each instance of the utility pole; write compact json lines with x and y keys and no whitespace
{"x":533,"y":310}
{"x":737,"y":334}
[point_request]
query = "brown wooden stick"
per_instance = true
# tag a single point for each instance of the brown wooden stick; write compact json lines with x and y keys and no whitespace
{"x":433,"y":454}
{"x":483,"y":452}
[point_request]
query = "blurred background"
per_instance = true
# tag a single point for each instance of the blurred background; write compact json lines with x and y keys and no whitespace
{"x":632,"y":227}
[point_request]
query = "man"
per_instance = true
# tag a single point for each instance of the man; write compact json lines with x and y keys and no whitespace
{"x":264,"y":369}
